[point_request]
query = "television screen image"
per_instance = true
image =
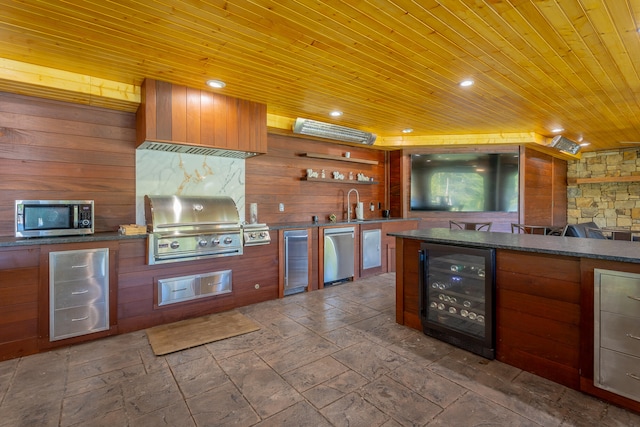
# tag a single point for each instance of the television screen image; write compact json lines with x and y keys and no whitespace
{"x":469,"y":182}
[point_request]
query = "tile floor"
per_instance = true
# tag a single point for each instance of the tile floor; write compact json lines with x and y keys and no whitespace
{"x":334,"y":357}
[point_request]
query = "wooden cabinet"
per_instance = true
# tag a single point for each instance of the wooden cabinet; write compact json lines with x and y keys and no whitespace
{"x":183,"y":115}
{"x":538,"y":314}
{"x":389,"y":242}
{"x":19,"y":277}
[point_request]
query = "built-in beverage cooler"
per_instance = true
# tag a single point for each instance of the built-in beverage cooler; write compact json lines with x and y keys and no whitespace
{"x":457,"y":296}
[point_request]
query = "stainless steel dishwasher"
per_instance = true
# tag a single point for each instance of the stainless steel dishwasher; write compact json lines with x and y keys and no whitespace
{"x":338,"y":254}
{"x":296,"y":261}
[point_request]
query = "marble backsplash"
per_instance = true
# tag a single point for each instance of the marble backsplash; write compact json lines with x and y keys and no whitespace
{"x":162,"y":173}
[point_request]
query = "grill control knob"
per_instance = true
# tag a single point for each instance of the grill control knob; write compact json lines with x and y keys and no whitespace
{"x":175,"y":244}
{"x":263,"y":234}
{"x":228,"y":240}
{"x":252,"y":235}
{"x":202,"y":243}
{"x":215,"y":241}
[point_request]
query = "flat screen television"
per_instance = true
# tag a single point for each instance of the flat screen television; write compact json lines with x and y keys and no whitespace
{"x":464,"y":182}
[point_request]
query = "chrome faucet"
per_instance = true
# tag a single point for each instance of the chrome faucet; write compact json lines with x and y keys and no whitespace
{"x":349,"y":203}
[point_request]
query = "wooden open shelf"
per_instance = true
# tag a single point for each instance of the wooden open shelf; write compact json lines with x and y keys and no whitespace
{"x":603,"y":179}
{"x":339,"y":181}
{"x":339,"y":158}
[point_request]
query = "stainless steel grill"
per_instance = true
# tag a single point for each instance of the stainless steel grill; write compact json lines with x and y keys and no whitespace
{"x":185,"y":228}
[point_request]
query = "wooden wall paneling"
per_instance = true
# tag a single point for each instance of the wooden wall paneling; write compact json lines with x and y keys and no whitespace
{"x":546,"y":290}
{"x":397,"y":184}
{"x":544,"y":191}
{"x":278,"y":177}
{"x":257,"y":131}
{"x":54,"y":150}
{"x":559,"y":191}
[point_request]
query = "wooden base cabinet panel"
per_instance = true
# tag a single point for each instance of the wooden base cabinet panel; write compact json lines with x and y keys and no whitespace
{"x":538,"y":314}
{"x":19,"y":277}
{"x":254,"y":279}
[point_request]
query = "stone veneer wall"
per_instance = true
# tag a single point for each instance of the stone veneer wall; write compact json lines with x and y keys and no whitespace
{"x":608,"y":204}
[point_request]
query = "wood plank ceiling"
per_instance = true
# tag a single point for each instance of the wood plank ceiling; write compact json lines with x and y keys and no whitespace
{"x":387,"y":64}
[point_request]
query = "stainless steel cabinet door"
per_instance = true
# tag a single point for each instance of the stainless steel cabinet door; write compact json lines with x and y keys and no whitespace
{"x":371,"y":253}
{"x":78,"y":292}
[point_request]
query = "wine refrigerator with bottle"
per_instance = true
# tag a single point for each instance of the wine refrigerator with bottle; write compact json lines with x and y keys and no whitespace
{"x":457,"y":296}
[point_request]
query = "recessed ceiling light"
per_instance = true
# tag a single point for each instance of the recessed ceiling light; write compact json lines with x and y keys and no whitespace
{"x":335,"y":113}
{"x":216,"y":84}
{"x":556,"y":130}
{"x":407,"y":130}
{"x":466,"y":83}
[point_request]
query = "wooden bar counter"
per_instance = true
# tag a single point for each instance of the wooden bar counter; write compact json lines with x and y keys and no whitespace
{"x":544,"y":297}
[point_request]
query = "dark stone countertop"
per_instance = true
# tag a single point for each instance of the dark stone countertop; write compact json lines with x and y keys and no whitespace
{"x":611,"y":250}
{"x":96,"y":237}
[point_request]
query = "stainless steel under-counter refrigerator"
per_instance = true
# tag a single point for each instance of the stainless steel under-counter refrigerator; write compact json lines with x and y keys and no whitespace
{"x":457,"y":296}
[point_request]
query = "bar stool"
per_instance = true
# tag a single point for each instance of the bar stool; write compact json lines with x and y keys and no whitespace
{"x":537,"y":229}
{"x":462,"y":225}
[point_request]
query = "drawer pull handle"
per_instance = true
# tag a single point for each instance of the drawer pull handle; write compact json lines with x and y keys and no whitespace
{"x":80,"y":266}
{"x":179,"y":290}
{"x":635,"y":337}
{"x":79,"y":292}
{"x":633,"y":298}
{"x":634,"y":376}
{"x":80,"y":319}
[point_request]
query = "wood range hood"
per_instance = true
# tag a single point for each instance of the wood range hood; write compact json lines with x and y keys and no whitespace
{"x":179,"y":119}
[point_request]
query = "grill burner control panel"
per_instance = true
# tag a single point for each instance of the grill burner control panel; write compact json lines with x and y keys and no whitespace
{"x":183,"y":248}
{"x":256,"y":234}
{"x":171,"y":244}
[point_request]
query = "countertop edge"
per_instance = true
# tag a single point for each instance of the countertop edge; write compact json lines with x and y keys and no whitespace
{"x":7,"y":242}
{"x":284,"y":226}
{"x":610,"y":250}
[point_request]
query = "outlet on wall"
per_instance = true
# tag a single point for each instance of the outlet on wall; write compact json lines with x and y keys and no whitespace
{"x":280,"y":207}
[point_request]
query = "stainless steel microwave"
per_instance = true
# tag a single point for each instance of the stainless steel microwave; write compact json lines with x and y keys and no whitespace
{"x":45,"y":218}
